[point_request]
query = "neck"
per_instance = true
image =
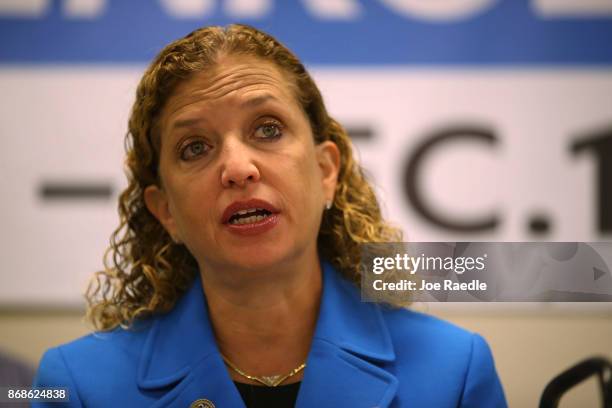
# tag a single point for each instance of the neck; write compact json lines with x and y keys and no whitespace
{"x":264,"y":320}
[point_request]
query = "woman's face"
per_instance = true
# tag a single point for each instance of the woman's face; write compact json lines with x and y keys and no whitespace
{"x":242,"y":183}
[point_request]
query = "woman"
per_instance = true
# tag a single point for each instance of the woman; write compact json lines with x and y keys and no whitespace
{"x":230,"y":276}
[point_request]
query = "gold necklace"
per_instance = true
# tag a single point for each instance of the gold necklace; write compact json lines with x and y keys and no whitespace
{"x":267,"y":380}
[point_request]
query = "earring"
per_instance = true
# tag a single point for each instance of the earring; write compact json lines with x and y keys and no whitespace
{"x":328,"y":205}
{"x":176,"y":240}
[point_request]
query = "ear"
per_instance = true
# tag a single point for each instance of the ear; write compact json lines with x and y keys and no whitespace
{"x":156,"y":200}
{"x":328,"y":157}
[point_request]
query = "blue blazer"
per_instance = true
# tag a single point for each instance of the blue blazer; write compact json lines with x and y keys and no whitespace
{"x":362,"y":355}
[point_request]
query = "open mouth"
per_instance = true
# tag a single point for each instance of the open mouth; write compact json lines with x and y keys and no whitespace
{"x":249,"y":216}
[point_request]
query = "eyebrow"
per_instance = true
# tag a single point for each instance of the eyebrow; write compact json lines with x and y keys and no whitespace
{"x":186,"y":122}
{"x":249,"y":103}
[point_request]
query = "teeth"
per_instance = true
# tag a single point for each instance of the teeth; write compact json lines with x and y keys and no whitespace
{"x":250,"y":210}
{"x":248,"y":220}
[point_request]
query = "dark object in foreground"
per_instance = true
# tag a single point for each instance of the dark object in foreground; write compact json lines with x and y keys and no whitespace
{"x":571,"y":377}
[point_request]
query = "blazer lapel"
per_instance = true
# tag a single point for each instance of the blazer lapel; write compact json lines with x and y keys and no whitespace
{"x":337,"y":378}
{"x":350,"y":346}
{"x":180,"y":360}
{"x":208,"y":379}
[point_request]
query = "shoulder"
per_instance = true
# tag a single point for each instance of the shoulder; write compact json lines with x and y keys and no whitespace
{"x":100,"y":361}
{"x":440,"y":355}
{"x":119,"y":346}
{"x":423,"y":330}
{"x":427,"y":341}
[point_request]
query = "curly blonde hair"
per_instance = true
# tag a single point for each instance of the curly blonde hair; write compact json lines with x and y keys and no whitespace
{"x":145,"y":271}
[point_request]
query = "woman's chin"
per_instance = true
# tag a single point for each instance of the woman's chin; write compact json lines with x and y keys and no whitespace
{"x":259,"y":257}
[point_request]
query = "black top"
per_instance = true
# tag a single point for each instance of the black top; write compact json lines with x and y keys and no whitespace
{"x":260,"y":396}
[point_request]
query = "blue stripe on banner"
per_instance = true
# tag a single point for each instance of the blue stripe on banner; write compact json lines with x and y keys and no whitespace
{"x":505,"y":32}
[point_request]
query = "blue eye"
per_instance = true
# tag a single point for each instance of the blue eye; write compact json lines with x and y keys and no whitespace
{"x":193,"y":150}
{"x":268,"y":131}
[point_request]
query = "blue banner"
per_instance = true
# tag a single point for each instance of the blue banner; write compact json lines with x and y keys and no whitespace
{"x":363,"y":32}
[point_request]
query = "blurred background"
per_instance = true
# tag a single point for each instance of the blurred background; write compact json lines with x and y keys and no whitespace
{"x":477,"y":120}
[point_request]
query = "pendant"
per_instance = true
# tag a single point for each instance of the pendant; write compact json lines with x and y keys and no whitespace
{"x":271,"y":380}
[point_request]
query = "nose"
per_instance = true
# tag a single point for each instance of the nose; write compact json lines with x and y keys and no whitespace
{"x":238,"y":168}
